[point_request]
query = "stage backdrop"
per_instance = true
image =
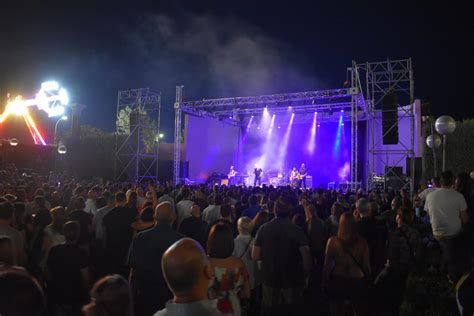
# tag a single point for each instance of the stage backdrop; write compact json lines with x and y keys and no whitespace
{"x":326,"y":154}
{"x":211,"y":146}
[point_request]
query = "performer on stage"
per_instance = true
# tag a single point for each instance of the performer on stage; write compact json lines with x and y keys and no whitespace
{"x":302,"y":176}
{"x":231,"y":175}
{"x":293,"y":178}
{"x":258,"y":176}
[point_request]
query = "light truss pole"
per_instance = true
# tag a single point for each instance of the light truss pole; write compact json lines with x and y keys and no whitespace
{"x":137,"y":125}
{"x":177,"y":134}
{"x":382,"y":78}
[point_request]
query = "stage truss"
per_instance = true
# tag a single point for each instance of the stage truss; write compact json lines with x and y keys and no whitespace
{"x":136,"y":160}
{"x":236,"y":109}
{"x":380,"y":79}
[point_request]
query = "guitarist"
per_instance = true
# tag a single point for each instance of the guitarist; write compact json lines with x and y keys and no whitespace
{"x":231,"y":175}
{"x":302,"y":176}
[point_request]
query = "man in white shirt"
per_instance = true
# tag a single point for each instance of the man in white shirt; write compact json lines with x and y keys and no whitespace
{"x":91,"y":206}
{"x":183,"y":208}
{"x":447,"y":209}
{"x":213,"y":212}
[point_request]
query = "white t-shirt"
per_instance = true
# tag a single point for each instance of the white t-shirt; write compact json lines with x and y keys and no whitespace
{"x":444,"y":207}
{"x":183,"y":208}
{"x":425,"y":193}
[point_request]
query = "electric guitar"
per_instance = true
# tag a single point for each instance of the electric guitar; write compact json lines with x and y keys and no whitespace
{"x":232,"y":174}
{"x":300,"y":176}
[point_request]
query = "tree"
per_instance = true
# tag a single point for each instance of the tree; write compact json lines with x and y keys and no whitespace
{"x":149,"y":127}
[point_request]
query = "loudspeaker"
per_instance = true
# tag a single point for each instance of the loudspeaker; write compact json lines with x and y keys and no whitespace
{"x":390,"y":118}
{"x":396,"y":172}
{"x":418,"y":169}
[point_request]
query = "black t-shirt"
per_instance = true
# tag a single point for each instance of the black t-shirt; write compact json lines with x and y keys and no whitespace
{"x":279,"y":241}
{"x":118,"y":230}
{"x":194,"y":228}
{"x":65,"y":262}
{"x":85,"y":220}
{"x":258,"y":172}
{"x":145,"y":256}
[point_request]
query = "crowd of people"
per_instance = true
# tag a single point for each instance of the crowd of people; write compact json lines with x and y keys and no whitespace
{"x":77,"y":248}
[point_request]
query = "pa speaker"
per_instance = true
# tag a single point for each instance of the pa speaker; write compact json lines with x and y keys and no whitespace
{"x":390,"y":119}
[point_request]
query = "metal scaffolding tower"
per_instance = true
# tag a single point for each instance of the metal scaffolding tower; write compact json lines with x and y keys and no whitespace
{"x":177,"y":134}
{"x":137,"y":132}
{"x":382,"y":78}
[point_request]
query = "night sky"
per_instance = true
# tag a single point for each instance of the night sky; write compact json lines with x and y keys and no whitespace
{"x":246,"y":48}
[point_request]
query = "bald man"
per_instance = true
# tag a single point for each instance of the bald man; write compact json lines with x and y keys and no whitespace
{"x":148,"y":284}
{"x":187,"y":272}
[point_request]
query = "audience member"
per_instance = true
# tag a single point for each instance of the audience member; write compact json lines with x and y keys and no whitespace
{"x":230,"y":278}
{"x":447,"y":210}
{"x":110,"y":296}
{"x":187,"y":272}
{"x":346,"y":268}
{"x":283,"y":249}
{"x":194,"y":227}
{"x":148,"y":286}
{"x":20,"y":295}
{"x":118,"y":234}
{"x":68,"y":272}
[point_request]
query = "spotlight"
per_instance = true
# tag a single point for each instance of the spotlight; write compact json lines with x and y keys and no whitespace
{"x":230,"y":117}
{"x":342,"y":111}
{"x":290,"y":108}
{"x":258,"y":127}
{"x":319,"y":125}
{"x":279,"y":126}
{"x":342,"y":124}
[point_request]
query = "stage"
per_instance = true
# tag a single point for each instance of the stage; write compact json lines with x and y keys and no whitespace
{"x":339,"y":134}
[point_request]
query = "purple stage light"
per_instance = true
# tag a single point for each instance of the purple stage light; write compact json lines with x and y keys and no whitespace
{"x":258,"y":127}
{"x":342,"y":111}
{"x":279,"y":126}
{"x":249,"y":124}
{"x":284,"y":144}
{"x":312,"y":139}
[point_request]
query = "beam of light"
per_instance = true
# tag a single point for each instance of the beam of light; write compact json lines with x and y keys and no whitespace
{"x":249,"y":124}
{"x":271,"y":126}
{"x":312,"y":140}
{"x":337,"y":143}
{"x":284,"y":144}
{"x":34,"y":130}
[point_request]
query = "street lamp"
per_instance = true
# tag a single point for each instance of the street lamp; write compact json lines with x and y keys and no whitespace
{"x":445,"y":125}
{"x":62,"y":118}
{"x":434,"y":141}
{"x":13,"y":142}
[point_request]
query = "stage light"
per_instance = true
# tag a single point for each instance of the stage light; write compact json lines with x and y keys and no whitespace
{"x":64,"y":118}
{"x":284,"y":144}
{"x":279,"y":126}
{"x":62,"y":149}
{"x":312,"y":139}
{"x":290,"y":108}
{"x":161,"y":135}
{"x":342,"y":124}
{"x":342,"y":111}
{"x":63,"y":97}
{"x":49,"y":86}
{"x":13,"y":142}
{"x":319,"y":125}
{"x":258,"y":127}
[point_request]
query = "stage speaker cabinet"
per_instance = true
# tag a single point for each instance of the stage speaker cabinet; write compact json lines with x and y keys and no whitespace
{"x":309,"y":181}
{"x":393,"y":172}
{"x":390,"y":118}
{"x":418,"y":169}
